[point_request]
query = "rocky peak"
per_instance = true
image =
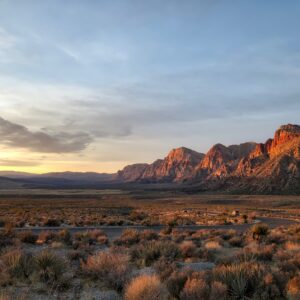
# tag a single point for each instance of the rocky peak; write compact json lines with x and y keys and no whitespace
{"x":182,"y":154}
{"x":215,"y":157}
{"x":285,"y":134}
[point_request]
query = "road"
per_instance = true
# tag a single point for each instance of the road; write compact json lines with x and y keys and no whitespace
{"x":114,"y":232}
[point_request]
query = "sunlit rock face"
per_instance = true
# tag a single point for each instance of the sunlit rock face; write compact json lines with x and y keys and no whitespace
{"x":272,"y":166}
{"x":177,"y":166}
{"x":131,"y":173}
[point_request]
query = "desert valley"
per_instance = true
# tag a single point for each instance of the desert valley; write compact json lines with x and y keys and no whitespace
{"x":149,"y":150}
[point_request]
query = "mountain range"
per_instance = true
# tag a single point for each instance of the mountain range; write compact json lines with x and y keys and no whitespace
{"x":270,"y":167}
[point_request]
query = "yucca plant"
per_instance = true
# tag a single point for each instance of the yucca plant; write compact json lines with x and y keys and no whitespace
{"x":49,"y":267}
{"x":241,"y":279}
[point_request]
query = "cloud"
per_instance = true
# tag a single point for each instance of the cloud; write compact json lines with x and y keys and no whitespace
{"x":17,"y":163}
{"x":18,"y":136}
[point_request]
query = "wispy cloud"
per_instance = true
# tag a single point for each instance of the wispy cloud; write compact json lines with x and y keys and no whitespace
{"x":17,"y":163}
{"x":18,"y":136}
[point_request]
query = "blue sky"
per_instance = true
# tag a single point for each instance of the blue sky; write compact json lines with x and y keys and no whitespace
{"x":95,"y":85}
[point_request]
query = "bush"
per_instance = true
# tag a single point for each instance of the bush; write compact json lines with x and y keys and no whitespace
{"x":218,"y":291}
{"x":195,"y":289}
{"x":259,"y":231}
{"x":52,"y":223}
{"x":65,"y":236}
{"x":27,"y":237}
{"x":241,"y":279}
{"x":128,"y":237}
{"x":164,"y":268}
{"x":146,"y":287}
{"x":148,"y":235}
{"x":45,"y":237}
{"x":49,"y":267}
{"x":235,"y":241}
{"x":113,"y":269}
{"x":188,"y":249}
{"x":175,"y":283}
{"x":146,"y":254}
{"x":18,"y":264}
{"x":92,"y":237}
{"x":293,"y":288}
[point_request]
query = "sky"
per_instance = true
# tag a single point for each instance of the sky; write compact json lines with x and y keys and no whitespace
{"x":96,"y":85}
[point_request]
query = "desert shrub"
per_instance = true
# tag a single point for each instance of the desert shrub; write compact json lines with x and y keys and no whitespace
{"x":128,"y":237}
{"x":92,"y":237}
{"x":146,"y":254}
{"x":65,"y":236}
{"x":245,"y":255}
{"x":146,"y":287}
{"x":148,"y":235}
{"x":27,"y":237}
{"x":292,"y":246}
{"x":175,"y":283}
{"x":8,"y":229}
{"x":236,"y":241}
{"x":18,"y":264}
{"x":195,"y":289}
{"x":111,"y":268}
{"x":188,"y":249}
{"x":76,"y":255}
{"x":5,"y":241}
{"x":293,"y":288}
{"x":241,"y":279}
{"x":212,"y":245}
{"x":259,"y":231}
{"x":5,"y":296}
{"x":267,"y":289}
{"x":264,"y":253}
{"x":164,"y":268}
{"x":49,"y":267}
{"x":167,"y":230}
{"x":218,"y":291}
{"x":45,"y":237}
{"x":52,"y":223}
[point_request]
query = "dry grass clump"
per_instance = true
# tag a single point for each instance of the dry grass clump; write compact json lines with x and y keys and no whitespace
{"x":128,"y":237}
{"x":235,"y":241}
{"x":18,"y":265}
{"x":292,"y":246}
{"x":195,"y":289}
{"x":218,"y":291}
{"x":91,"y":237}
{"x":111,"y":268}
{"x":188,"y":249}
{"x":146,"y":287}
{"x":293,"y":288}
{"x":146,"y":254}
{"x":212,"y":245}
{"x":45,"y":237}
{"x":148,"y":235}
{"x":175,"y":282}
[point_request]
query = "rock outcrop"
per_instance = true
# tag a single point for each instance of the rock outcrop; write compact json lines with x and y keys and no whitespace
{"x":270,"y":167}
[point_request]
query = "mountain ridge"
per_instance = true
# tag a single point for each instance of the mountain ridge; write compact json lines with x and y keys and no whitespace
{"x":270,"y":167}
